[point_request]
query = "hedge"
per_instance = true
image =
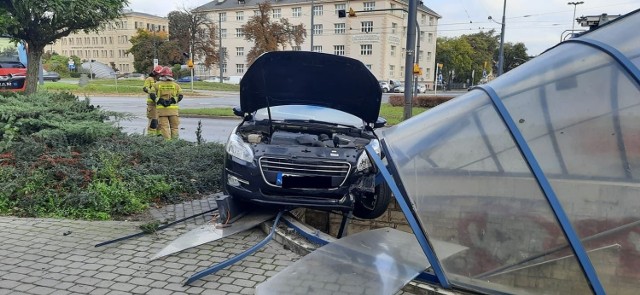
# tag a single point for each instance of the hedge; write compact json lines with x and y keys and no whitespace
{"x":424,"y":101}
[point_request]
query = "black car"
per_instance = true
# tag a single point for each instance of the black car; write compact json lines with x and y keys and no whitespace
{"x":50,"y":76}
{"x":300,"y":143}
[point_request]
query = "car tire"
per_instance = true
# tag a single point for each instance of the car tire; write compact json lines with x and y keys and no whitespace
{"x":384,"y":90}
{"x":373,"y":206}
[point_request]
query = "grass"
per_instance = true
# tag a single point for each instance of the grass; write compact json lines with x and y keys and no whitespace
{"x":392,"y":114}
{"x":108,"y":86}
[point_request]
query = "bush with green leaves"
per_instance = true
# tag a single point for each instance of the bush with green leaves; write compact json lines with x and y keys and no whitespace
{"x":61,"y":157}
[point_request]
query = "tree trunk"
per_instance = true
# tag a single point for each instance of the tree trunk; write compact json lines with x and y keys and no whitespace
{"x":34,"y":53}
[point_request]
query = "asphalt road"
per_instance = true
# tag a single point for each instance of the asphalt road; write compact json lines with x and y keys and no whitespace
{"x":213,"y":130}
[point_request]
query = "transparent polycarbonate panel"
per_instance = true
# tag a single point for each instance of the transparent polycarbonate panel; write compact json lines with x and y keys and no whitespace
{"x":622,"y":35}
{"x":581,"y":117}
{"x":379,"y":261}
{"x":469,"y":185}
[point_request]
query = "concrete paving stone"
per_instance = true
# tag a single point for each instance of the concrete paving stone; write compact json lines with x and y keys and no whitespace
{"x":8,"y":284}
{"x":140,"y":290}
{"x":24,"y":287}
{"x":123,"y":279}
{"x":124,"y":287}
{"x":88,"y":281}
{"x":82,"y":289}
{"x":160,"y":292}
{"x":124,"y":271}
{"x":46,"y":282}
{"x":258,"y":278}
{"x":15,"y":276}
{"x":63,"y":285}
{"x":140,"y":281}
{"x":244,"y":283}
{"x":39,"y":290}
{"x":63,"y":292}
{"x":230,"y":288}
{"x":91,"y":266}
{"x":71,"y":278}
{"x":241,"y":275}
{"x":60,"y":262}
{"x":195,"y":290}
{"x":158,"y":284}
{"x":104,"y":284}
{"x":116,"y":292}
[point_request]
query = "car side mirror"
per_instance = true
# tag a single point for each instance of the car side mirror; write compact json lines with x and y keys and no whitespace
{"x":381,"y":122}
{"x":238,"y":112}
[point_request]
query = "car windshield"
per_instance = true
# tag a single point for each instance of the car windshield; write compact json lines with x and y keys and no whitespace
{"x":308,"y":113}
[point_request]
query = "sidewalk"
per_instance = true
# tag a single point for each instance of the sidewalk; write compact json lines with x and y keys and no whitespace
{"x":57,"y":256}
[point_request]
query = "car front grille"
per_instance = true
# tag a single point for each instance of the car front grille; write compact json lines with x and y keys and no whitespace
{"x":336,"y":170}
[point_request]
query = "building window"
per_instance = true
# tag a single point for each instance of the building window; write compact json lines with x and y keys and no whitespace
{"x":401,"y":71}
{"x":239,"y":33}
{"x":223,"y":33}
{"x":340,"y":29}
{"x":431,"y":20}
{"x":239,"y":51}
{"x":393,"y":50}
{"x":317,"y":49}
{"x":429,"y":56}
{"x":391,"y":71}
{"x":428,"y":72}
{"x":222,"y":16}
{"x":224,"y":68}
{"x":421,"y":54}
{"x":295,"y":48}
{"x":367,"y":27}
{"x":277,"y":13}
{"x":317,"y":10}
{"x":317,"y":29}
{"x":339,"y":7}
{"x":240,"y":68}
{"x":423,"y":19}
{"x":369,"y":5}
{"x":394,"y":28}
{"x":366,"y":49}
{"x":430,"y":37}
{"x":338,"y":49}
{"x":296,"y":11}
{"x":240,"y":15}
{"x":421,"y":35}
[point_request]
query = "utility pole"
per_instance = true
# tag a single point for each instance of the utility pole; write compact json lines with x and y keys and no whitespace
{"x":221,"y":53}
{"x":312,"y":24}
{"x":501,"y":50}
{"x":409,"y":58}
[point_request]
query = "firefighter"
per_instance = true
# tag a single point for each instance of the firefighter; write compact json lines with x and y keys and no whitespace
{"x":152,"y":115}
{"x":167,"y":94}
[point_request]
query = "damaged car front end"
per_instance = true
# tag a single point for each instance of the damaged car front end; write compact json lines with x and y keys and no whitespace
{"x":300,"y":145}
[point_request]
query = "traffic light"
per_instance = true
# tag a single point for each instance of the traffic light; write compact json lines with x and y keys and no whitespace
{"x":342,"y":13}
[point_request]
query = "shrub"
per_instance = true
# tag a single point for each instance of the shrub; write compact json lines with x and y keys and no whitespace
{"x":424,"y":101}
{"x":59,"y":158}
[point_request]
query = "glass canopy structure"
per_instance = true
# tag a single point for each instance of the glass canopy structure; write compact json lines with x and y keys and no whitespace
{"x":537,"y":173}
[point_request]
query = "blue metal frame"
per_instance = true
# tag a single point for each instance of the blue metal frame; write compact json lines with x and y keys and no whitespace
{"x":221,"y":265}
{"x":411,"y":219}
{"x":613,"y":52}
{"x":552,"y":199}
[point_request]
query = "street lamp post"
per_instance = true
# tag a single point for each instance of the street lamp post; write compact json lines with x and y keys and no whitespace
{"x":573,"y":21}
{"x":501,"y":50}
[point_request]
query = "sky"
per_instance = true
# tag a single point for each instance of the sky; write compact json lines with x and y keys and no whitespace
{"x":539,"y":24}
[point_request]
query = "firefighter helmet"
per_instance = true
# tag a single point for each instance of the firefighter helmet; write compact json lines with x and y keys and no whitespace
{"x":166,"y":71}
{"x":157,"y":69}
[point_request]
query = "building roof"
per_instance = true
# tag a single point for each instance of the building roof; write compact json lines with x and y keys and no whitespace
{"x":142,"y":14}
{"x":229,"y":4}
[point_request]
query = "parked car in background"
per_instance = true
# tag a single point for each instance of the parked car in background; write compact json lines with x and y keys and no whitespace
{"x":384,"y":86}
{"x":188,"y":79}
{"x":300,"y":143}
{"x":398,"y":89}
{"x":50,"y":76}
{"x":212,"y":79}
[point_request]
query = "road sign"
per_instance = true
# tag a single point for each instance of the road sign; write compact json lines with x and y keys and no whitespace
{"x":190,"y":64}
{"x":416,"y":69}
{"x":440,"y":78}
{"x":484,"y":73}
{"x":155,"y":62}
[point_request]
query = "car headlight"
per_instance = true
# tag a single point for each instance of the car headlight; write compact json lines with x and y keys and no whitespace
{"x":364,"y":162}
{"x":238,"y":148}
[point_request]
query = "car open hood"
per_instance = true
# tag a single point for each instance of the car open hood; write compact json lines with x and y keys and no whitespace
{"x":310,"y":78}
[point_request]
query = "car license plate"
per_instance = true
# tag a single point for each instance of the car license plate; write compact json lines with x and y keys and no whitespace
{"x":298,"y":181}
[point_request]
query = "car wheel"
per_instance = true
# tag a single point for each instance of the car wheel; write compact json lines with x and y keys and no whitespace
{"x":385,"y":90}
{"x":374,"y":205}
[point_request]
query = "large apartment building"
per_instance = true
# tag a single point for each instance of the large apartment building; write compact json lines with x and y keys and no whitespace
{"x":377,"y":38}
{"x":111,"y":43}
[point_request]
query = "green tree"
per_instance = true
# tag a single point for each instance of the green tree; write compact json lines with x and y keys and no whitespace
{"x":268,"y":35}
{"x":146,"y":45}
{"x":40,"y":22}
{"x":193,"y":28}
{"x":456,"y":56}
{"x":514,"y":55}
{"x":485,"y":47}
